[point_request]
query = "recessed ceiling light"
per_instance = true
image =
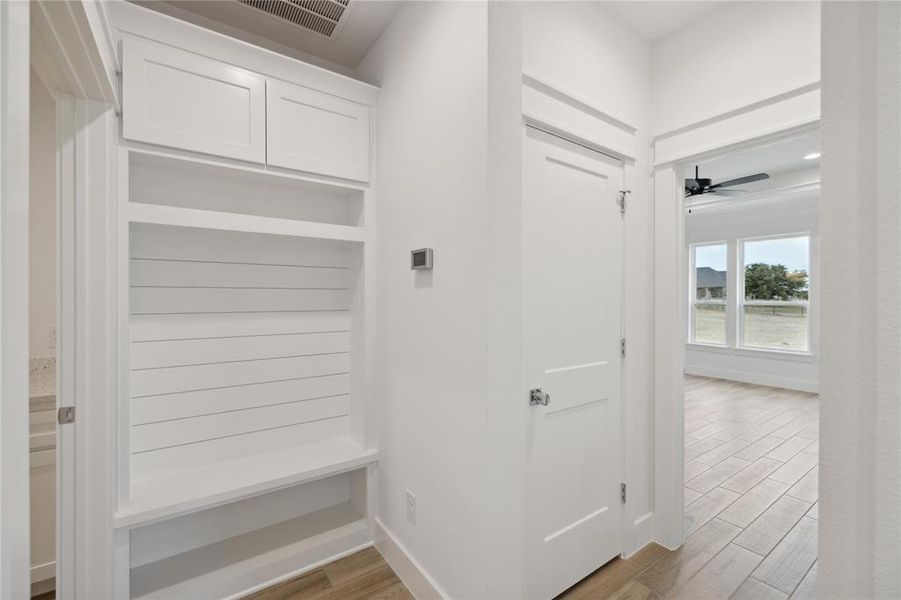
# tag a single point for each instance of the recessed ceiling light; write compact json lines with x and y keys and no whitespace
{"x":812,"y":156}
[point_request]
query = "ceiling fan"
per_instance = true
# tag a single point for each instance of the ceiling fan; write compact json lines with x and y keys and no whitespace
{"x":699,"y":186}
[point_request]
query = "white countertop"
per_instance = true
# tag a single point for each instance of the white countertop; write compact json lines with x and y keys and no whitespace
{"x":42,"y":377}
{"x":42,"y":401}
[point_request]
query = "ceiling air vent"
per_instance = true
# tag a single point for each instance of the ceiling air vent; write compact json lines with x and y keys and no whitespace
{"x":319,"y":16}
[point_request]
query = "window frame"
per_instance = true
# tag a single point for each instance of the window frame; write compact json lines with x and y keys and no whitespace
{"x":735,"y":297}
{"x":741,"y":302}
{"x":692,"y":290}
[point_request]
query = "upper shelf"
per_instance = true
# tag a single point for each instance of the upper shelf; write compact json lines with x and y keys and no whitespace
{"x":196,"y":489}
{"x":158,"y":214}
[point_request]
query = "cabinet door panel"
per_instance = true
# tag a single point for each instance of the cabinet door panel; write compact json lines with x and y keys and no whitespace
{"x":317,"y":132}
{"x":183,"y":100}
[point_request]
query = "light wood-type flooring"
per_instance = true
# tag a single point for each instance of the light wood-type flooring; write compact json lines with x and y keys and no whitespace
{"x":751,"y":457}
{"x":358,"y":576}
{"x":750,"y":513}
{"x":363,"y":575}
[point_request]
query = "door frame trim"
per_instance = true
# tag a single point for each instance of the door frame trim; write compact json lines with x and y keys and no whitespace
{"x":670,"y":327}
{"x":74,"y":56}
{"x":566,"y":135}
{"x":15,"y":555}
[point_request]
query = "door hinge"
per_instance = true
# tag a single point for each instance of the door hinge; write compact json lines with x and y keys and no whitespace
{"x":622,"y":201}
{"x":622,"y":492}
{"x":539,"y":398}
{"x":118,"y":112}
{"x":65,"y":415}
{"x":622,"y":347}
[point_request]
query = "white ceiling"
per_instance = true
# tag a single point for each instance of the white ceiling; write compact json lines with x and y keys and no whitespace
{"x":774,"y":158}
{"x":655,"y":20}
{"x":362,"y":25}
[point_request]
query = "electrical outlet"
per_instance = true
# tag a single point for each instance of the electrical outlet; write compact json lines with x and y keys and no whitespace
{"x":53,"y":337}
{"x":411,"y":507}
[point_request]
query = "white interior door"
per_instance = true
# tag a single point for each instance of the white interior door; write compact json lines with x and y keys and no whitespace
{"x":572,"y":313}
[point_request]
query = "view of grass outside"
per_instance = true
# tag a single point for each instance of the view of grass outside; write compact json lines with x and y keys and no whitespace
{"x":710,"y":323}
{"x":777,"y":327}
{"x":710,"y":293}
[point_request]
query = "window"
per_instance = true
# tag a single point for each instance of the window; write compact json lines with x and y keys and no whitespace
{"x":708,"y":314}
{"x":775,"y":293}
{"x":751,"y":293}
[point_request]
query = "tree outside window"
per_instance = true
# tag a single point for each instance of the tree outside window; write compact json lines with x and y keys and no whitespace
{"x":774,"y":282}
{"x":774,"y":305}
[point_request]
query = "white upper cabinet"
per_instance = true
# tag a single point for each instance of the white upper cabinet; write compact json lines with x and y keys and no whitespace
{"x":264,"y":111}
{"x":184,"y":100}
{"x":317,"y":132}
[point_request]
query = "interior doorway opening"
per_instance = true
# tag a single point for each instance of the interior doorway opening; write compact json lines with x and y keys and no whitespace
{"x":751,"y":347}
{"x":43,"y":302}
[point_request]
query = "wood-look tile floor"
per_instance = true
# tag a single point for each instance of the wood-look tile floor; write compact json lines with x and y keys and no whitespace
{"x":751,"y":457}
{"x":750,"y":513}
{"x":361,"y":576}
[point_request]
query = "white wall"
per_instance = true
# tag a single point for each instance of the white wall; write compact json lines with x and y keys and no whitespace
{"x":790,"y":372}
{"x":508,"y":422}
{"x":860,"y":447}
{"x":581,"y":48}
{"x":734,"y":56}
{"x":42,"y":221}
{"x":754,"y":216}
{"x":432,"y":326}
{"x":452,"y":420}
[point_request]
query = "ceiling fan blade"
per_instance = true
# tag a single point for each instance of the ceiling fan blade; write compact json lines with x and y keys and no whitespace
{"x":727,"y":192}
{"x":741,"y":180}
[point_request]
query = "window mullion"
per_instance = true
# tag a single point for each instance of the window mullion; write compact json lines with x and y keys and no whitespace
{"x":733,"y":268}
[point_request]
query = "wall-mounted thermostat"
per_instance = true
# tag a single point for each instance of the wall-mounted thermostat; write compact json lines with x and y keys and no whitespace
{"x":421,"y":259}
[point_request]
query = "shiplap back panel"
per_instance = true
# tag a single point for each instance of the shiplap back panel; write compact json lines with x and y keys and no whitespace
{"x":184,"y":244}
{"x":240,"y":345}
{"x":190,"y":456}
{"x":150,"y":300}
{"x":181,"y":352}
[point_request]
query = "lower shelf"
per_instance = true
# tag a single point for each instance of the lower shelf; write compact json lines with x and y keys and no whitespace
{"x":241,"y":564}
{"x":198,"y":489}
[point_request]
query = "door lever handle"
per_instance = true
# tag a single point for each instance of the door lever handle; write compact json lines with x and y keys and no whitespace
{"x":537,"y":397}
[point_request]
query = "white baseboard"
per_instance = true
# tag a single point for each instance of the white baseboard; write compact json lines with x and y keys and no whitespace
{"x":788,"y":383}
{"x":46,"y":586}
{"x":43,"y":578}
{"x":43,"y":571}
{"x":420,"y":583}
{"x":641,"y":534}
{"x":667,"y":546}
